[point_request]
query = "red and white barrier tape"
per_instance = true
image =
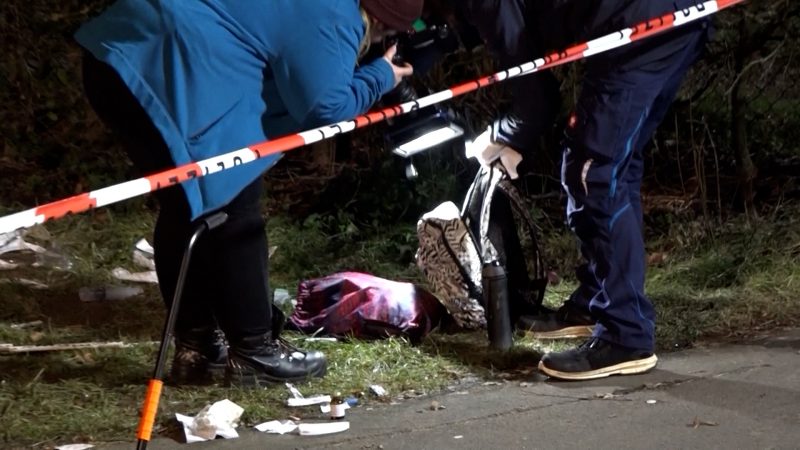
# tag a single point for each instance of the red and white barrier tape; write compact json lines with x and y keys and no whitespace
{"x":123,"y":191}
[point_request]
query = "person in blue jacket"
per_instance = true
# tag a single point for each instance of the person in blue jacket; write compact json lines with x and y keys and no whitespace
{"x":624,"y":95}
{"x":180,"y":81}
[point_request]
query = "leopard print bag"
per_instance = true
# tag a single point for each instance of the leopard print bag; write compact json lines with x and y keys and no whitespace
{"x":454,"y":245}
{"x":448,"y":257}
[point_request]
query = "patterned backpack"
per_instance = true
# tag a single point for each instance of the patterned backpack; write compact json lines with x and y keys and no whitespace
{"x":493,"y":225}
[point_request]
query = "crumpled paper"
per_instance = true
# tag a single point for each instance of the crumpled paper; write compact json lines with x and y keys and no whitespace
{"x":219,"y":419}
{"x":142,"y":256}
{"x":277,"y":426}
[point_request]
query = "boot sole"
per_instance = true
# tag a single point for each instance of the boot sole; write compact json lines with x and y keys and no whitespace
{"x":626,"y":368}
{"x":179,"y":376}
{"x":578,"y":331}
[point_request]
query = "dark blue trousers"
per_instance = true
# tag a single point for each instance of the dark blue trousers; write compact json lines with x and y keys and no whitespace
{"x":617,"y":112}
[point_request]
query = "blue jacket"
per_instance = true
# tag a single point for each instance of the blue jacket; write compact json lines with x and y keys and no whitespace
{"x":219,"y":75}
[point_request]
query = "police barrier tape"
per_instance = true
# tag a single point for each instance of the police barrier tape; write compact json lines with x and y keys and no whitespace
{"x":123,"y":191}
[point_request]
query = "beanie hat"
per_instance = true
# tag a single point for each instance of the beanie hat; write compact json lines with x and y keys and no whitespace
{"x":397,"y":14}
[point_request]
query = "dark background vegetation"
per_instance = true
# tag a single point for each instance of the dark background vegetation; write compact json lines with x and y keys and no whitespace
{"x":730,"y":145}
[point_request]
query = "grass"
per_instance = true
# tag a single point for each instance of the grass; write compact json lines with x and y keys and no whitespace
{"x":720,"y":282}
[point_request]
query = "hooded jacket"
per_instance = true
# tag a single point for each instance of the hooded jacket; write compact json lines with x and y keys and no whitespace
{"x":218,"y":75}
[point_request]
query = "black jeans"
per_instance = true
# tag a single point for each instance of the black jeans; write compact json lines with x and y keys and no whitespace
{"x":227,"y":283}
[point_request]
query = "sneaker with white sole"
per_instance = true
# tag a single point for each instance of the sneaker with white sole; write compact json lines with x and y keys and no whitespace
{"x":597,"y":358}
{"x":567,"y":323}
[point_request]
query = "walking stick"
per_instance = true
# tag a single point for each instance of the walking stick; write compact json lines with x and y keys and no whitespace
{"x":153,"y":394}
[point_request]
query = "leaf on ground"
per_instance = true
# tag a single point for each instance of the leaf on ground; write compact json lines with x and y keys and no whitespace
{"x":697,"y":423}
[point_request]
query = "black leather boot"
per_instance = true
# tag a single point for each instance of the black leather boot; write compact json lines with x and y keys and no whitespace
{"x":278,"y":321}
{"x":262,"y":360}
{"x":200,"y":356}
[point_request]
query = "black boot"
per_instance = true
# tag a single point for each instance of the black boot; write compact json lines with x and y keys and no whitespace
{"x":278,"y":321}
{"x":261,"y":360}
{"x":200,"y":356}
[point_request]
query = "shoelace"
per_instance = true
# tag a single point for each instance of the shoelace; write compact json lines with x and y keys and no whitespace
{"x":290,"y":348}
{"x":589,"y":343}
{"x":219,"y":338}
{"x":189,"y":355}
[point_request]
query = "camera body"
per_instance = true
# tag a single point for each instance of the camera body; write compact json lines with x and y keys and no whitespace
{"x":424,"y":48}
{"x":422,"y":129}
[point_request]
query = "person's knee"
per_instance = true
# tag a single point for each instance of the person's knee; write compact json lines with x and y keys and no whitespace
{"x":586,"y":176}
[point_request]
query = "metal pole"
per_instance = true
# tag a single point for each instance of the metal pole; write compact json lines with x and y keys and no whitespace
{"x":153,"y":394}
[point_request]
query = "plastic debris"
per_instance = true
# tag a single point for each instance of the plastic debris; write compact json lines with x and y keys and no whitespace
{"x":143,"y":254}
{"x":144,"y":247}
{"x":74,"y":447}
{"x":19,"y":326}
{"x":104,"y":293}
{"x":317,"y":429}
{"x":321,"y":339}
{"x":605,"y":396}
{"x":294,"y":391}
{"x":6,"y":239}
{"x":13,"y":242}
{"x":652,"y":402}
{"x":281,"y":297}
{"x":53,"y":260}
{"x":277,"y":427}
{"x":377,"y":390}
{"x":138,"y":277}
{"x":143,"y":261}
{"x":219,"y":419}
{"x":33,"y":284}
{"x":316,"y":400}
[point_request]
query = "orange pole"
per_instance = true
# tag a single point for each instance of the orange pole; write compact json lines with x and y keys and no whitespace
{"x":149,"y":410}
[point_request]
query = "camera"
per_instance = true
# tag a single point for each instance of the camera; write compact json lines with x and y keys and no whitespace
{"x":423,"y":48}
{"x":424,"y":129}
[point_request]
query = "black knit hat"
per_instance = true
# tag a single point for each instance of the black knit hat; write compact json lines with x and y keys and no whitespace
{"x":396,"y":14}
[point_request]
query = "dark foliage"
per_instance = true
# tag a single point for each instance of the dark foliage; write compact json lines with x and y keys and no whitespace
{"x":741,"y":102}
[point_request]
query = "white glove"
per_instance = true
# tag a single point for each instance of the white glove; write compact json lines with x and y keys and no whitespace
{"x":487,"y":152}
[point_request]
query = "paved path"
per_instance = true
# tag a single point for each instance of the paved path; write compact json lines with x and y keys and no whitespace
{"x":743,"y":396}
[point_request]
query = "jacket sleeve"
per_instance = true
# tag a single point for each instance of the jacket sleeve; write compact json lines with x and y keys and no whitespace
{"x":535,"y":98}
{"x":316,"y":74}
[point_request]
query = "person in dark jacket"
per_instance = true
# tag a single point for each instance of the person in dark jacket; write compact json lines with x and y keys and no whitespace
{"x":624,"y":95}
{"x":183,"y":81}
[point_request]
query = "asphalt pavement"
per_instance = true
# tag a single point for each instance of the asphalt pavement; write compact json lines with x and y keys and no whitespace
{"x":730,"y":396}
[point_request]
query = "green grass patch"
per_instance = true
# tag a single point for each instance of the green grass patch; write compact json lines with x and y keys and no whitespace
{"x":713,"y":282}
